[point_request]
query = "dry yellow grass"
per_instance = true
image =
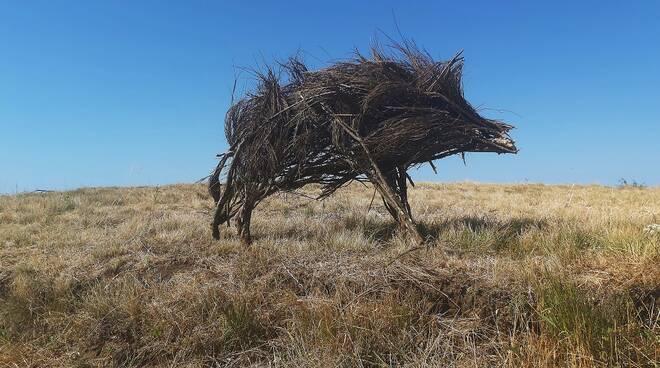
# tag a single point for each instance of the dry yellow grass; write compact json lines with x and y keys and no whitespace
{"x":517,"y":275}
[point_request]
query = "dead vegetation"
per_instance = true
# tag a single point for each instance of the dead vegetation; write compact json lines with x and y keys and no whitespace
{"x":516,"y":276}
{"x":368,"y":119}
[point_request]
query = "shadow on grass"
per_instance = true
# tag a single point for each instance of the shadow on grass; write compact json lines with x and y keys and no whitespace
{"x":384,"y":231}
{"x":512,"y":227}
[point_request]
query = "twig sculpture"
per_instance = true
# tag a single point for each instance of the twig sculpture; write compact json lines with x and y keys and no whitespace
{"x":367,"y":119}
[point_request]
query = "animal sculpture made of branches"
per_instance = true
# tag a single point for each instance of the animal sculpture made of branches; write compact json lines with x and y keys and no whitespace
{"x":367,"y":119}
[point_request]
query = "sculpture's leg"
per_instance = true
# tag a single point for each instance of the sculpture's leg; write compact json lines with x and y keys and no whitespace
{"x":244,"y":218}
{"x":222,"y":212}
{"x":403,"y":189}
{"x":218,"y":219}
{"x":225,"y":203}
{"x":225,"y":209}
{"x":391,"y":182}
{"x":390,"y":209}
{"x":396,"y":179}
{"x":380,"y":181}
{"x":393,"y":202}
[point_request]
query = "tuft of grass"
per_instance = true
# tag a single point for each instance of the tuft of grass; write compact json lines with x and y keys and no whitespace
{"x":606,"y":332}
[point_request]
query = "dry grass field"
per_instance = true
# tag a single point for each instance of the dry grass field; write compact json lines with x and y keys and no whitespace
{"x":515,"y":276}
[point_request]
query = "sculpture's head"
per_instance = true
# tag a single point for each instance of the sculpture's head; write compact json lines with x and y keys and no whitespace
{"x":410,"y":100}
{"x":444,"y":95}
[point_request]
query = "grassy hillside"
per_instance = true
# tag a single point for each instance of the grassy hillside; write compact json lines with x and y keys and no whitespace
{"x":517,"y":275}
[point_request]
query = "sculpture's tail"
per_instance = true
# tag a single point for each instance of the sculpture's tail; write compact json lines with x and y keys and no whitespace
{"x":214,"y":179}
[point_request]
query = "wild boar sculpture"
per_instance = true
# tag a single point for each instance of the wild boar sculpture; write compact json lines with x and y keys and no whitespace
{"x":369,"y":119}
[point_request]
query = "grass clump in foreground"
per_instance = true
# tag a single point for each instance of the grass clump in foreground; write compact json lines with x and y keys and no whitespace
{"x":516,"y":275}
{"x":610,"y":332}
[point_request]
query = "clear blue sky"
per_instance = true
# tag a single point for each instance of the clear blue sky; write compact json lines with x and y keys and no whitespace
{"x":96,"y":93}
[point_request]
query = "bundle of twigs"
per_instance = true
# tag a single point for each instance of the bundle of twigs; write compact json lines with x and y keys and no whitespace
{"x":367,"y":119}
